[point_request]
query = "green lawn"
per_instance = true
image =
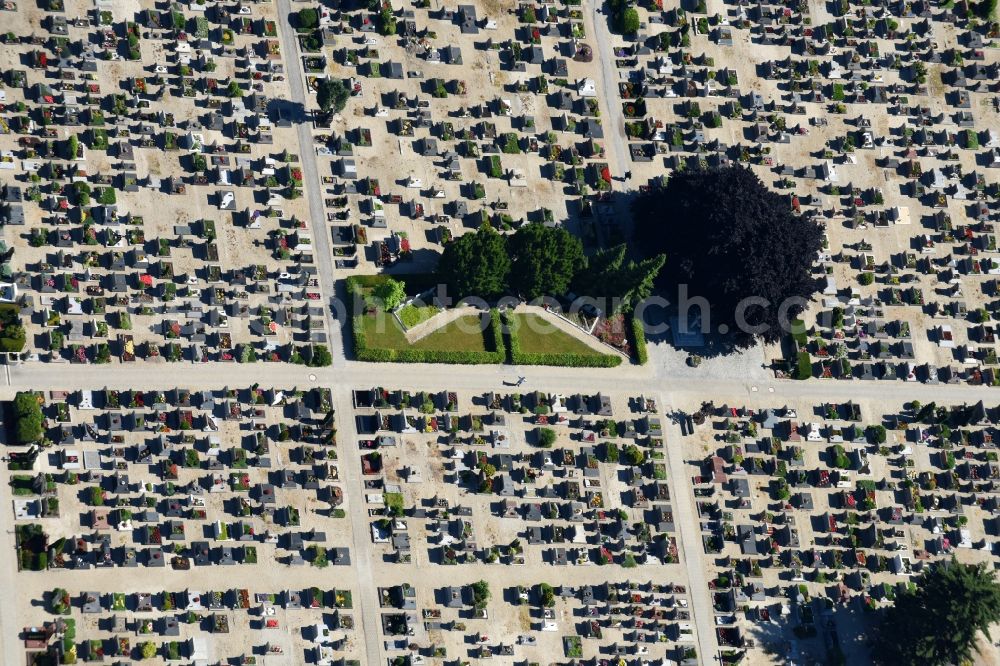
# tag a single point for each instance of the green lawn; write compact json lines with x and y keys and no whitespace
{"x":412,"y":315}
{"x":539,"y":336}
{"x":463,"y":334}
{"x":379,"y":337}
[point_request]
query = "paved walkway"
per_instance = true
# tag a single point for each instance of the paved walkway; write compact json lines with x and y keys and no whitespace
{"x":692,"y":552}
{"x":426,"y":376}
{"x":10,"y":647}
{"x":614,"y":123}
{"x":366,"y":622}
{"x":322,"y":253}
{"x":366,"y":613}
{"x":440,"y":320}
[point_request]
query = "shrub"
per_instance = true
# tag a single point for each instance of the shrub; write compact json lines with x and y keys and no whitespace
{"x":877,"y":433}
{"x":634,"y":455}
{"x":546,"y":595}
{"x":28,"y":418}
{"x":308,"y":18}
{"x":391,"y":293}
{"x":82,"y":191}
{"x":386,"y":22}
{"x":99,"y":139}
{"x":332,"y":95}
{"x":628,"y":22}
{"x":321,"y":357}
{"x":546,"y":437}
{"x":568,"y":360}
{"x":611,"y":452}
{"x":839,"y":457}
{"x":480,"y":594}
{"x":148,"y":649}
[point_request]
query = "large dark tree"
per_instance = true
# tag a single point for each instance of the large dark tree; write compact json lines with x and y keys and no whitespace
{"x":939,"y":622}
{"x":728,"y":237}
{"x":620,"y":284}
{"x":476,"y":264}
{"x":545,"y":259}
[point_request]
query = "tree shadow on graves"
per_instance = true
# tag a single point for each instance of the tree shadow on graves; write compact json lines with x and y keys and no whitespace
{"x":815,"y":631}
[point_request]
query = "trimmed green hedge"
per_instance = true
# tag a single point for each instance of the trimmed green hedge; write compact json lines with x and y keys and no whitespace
{"x":567,"y":360}
{"x":803,"y":366}
{"x":519,"y":357}
{"x":493,"y":336}
{"x":639,"y":352}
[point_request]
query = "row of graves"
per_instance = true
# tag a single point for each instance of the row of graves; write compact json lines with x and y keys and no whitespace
{"x":194,"y":626}
{"x":807,"y":514}
{"x":649,"y":619}
{"x":106,"y":278}
{"x":180,"y":479}
{"x":573,"y":485}
{"x":858,"y":337}
{"x":186,"y":480}
{"x":471,"y":150}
